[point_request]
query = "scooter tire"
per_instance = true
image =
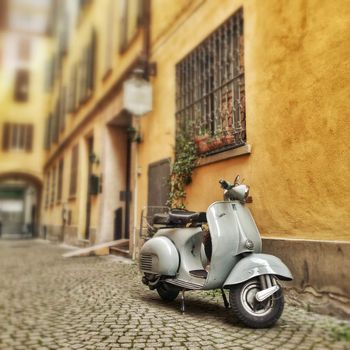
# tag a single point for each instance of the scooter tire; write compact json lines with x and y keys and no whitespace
{"x":269,"y":311}
{"x":167,"y":293}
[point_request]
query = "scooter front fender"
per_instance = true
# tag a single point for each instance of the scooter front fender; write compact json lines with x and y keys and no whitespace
{"x":255,"y":265}
{"x":159,"y":256}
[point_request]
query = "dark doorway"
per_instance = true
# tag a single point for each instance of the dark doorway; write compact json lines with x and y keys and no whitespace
{"x":118,"y":223}
{"x":90,"y":149}
{"x":158,"y":183}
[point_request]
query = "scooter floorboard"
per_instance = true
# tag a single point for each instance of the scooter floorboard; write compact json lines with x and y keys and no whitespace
{"x":184,"y":284}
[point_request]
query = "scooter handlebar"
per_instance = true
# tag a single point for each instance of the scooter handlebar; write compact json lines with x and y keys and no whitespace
{"x":224,"y":184}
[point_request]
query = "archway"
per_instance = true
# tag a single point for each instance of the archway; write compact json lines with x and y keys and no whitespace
{"x":20,"y":195}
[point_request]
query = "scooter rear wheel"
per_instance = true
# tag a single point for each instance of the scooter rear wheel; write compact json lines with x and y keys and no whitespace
{"x":167,"y":293}
{"x":249,"y":311}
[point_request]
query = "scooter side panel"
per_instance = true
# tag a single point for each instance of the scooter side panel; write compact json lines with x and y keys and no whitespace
{"x":256,"y":265}
{"x":159,"y":256}
{"x":188,"y":243}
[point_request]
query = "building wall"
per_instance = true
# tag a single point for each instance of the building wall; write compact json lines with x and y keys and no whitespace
{"x":296,"y":77}
{"x":29,"y":112}
{"x":91,"y":118}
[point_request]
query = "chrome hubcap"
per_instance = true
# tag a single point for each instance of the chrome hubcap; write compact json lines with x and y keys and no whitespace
{"x":249,"y":302}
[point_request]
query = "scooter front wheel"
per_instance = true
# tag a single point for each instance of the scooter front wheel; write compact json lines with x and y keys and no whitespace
{"x":166,"y":292}
{"x":252,"y":313}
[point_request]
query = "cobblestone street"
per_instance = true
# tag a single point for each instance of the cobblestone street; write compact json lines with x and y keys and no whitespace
{"x":48,"y":302}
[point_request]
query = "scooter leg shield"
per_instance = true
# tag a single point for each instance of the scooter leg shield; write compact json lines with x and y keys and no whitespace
{"x":255,"y":265}
{"x":159,"y":256}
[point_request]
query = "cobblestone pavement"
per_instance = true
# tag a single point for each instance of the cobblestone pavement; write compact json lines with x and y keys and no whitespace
{"x":47,"y":302}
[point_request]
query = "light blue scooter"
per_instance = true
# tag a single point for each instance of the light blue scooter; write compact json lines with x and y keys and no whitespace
{"x":217,"y":249}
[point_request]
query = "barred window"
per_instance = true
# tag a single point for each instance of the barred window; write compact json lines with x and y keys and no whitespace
{"x":210,"y":91}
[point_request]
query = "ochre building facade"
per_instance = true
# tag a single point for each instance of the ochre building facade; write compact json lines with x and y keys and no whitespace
{"x":266,"y":85}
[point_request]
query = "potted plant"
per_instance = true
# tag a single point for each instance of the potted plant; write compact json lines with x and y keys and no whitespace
{"x":202,"y":147}
{"x":228,"y":138}
{"x":201,"y":137}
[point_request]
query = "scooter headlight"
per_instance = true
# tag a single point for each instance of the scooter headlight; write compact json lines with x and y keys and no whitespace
{"x":249,"y":244}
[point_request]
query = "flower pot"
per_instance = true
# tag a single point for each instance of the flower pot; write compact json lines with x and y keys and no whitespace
{"x":202,"y":147}
{"x":200,"y":138}
{"x":217,"y":143}
{"x":228,"y":139}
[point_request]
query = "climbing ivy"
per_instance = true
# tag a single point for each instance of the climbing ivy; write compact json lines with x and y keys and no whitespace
{"x":181,"y":170}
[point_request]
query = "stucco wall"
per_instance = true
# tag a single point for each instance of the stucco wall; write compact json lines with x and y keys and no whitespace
{"x":297,"y":61}
{"x":30,"y":112}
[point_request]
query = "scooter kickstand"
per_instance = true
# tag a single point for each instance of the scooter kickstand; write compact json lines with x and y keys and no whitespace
{"x":183,"y":301}
{"x":226,"y":303}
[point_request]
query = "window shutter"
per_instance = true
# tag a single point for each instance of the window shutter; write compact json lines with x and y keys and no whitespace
{"x":21,"y":85}
{"x":3,"y":13}
{"x":62,"y":109}
{"x":14,"y":136}
{"x":91,"y":55}
{"x":123,"y":38}
{"x":6,"y":137}
{"x":29,"y":137}
{"x":47,"y":194}
{"x":22,"y":128}
{"x":60,"y":180}
{"x":74,"y":170}
{"x":47,"y":134}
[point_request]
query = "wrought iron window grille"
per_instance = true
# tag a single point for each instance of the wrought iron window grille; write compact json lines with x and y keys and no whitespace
{"x":210,"y":90}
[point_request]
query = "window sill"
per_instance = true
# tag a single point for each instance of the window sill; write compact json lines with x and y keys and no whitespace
{"x":232,"y":153}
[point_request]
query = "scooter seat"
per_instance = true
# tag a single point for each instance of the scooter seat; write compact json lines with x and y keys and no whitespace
{"x":179,"y":217}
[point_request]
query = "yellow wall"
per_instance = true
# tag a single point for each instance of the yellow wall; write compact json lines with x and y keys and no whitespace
{"x":33,"y":111}
{"x":297,"y":86}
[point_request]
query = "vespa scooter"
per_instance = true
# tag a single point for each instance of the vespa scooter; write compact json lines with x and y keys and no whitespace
{"x":219,"y":249}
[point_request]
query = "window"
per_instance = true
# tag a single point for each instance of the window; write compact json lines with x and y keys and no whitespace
{"x":210,"y":92}
{"x":17,"y":136}
{"x":47,"y":141}
{"x":109,"y":51}
{"x":130,"y":12}
{"x":74,"y":171}
{"x":24,"y":48}
{"x":21,"y":85}
{"x":86,"y":74}
{"x":60,"y":180}
{"x":62,"y":108}
{"x":73,"y":88}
